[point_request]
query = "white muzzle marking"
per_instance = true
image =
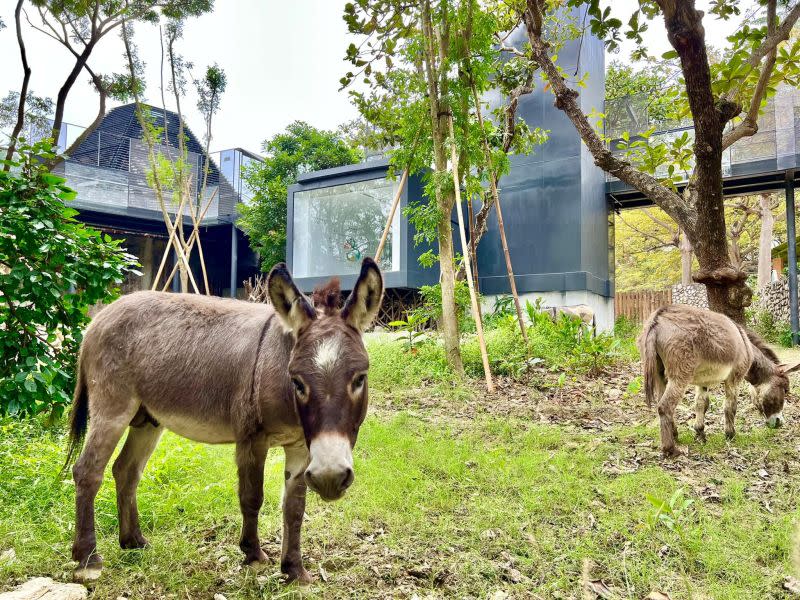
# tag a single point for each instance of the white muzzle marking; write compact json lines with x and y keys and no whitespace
{"x":330,"y":471}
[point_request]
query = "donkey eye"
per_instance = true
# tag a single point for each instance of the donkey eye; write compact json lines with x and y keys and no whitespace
{"x":359,"y":381}
{"x":299,"y":386}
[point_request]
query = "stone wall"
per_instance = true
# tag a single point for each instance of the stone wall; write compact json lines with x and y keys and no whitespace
{"x":693,"y":294}
{"x":774,"y":298}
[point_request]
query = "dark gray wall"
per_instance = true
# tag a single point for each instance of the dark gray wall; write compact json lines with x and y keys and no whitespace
{"x":553,"y":200}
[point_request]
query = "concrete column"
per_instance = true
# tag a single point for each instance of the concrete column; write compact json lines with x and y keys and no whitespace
{"x":791,"y":235}
{"x":147,"y":263}
{"x":234,"y":260}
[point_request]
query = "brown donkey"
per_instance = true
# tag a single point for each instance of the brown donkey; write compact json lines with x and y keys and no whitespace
{"x":682,"y":345}
{"x":224,"y":371}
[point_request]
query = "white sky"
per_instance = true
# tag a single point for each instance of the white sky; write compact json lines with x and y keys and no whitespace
{"x":283,"y":60}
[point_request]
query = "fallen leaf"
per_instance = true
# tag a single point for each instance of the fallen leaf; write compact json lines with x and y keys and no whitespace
{"x":323,"y":574}
{"x":598,"y":587}
{"x":657,"y":596}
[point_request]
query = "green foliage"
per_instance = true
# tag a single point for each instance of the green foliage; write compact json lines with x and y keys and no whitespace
{"x":430,"y":310}
{"x":52,"y":269}
{"x":410,"y":326}
{"x":768,"y":327}
{"x":301,"y":148}
{"x":670,"y":513}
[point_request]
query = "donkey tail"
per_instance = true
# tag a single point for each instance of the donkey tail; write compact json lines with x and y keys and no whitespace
{"x":79,"y":418}
{"x":649,"y":356}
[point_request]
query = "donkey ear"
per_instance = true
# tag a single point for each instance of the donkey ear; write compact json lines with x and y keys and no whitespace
{"x":787,"y":370}
{"x":365,"y":300}
{"x":292,"y":306}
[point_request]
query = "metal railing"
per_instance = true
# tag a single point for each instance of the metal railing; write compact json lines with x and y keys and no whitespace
{"x":778,"y":134}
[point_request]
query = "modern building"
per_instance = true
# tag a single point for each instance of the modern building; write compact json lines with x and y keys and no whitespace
{"x":109,"y":169}
{"x":554,"y":206}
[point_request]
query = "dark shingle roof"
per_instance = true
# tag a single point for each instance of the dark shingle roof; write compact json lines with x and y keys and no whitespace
{"x":108,"y":144}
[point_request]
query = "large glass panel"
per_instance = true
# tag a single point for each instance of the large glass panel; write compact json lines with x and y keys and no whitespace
{"x":336,"y":226}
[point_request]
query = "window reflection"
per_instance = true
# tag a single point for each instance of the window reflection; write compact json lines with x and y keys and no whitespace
{"x":336,"y":226}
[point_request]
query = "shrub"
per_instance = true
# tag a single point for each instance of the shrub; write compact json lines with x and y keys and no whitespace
{"x":431,"y":308}
{"x":52,"y":269}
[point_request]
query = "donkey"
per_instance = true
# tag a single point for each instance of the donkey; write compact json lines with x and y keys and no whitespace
{"x":682,"y":345}
{"x":224,"y":371}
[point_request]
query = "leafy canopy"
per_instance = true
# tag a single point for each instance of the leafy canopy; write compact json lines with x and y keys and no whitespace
{"x":52,"y":269}
{"x":300,"y":149}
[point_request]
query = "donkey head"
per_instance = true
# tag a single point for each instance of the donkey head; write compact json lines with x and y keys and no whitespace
{"x":772,"y":395}
{"x":328,"y":369}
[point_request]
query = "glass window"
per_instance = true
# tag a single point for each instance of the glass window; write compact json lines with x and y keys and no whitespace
{"x":336,"y":226}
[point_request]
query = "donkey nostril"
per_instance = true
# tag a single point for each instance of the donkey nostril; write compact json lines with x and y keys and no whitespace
{"x":347,"y":479}
{"x":309,"y":476}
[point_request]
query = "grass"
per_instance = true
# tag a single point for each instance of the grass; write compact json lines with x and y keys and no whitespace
{"x":442,"y":506}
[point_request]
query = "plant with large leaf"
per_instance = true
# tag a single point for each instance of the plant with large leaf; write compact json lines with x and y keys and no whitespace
{"x":52,"y":269}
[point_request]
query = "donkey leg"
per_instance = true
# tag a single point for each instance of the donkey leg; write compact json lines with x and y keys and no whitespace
{"x":666,"y":412}
{"x":700,"y":408}
{"x":294,"y":506}
{"x":729,"y":408}
{"x":250,"y":457}
{"x":87,"y":472}
{"x":127,"y":470}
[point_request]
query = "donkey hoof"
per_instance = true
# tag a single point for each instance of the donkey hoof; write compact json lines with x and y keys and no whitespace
{"x":701,"y":435}
{"x":134,"y":542}
{"x":88,"y":571}
{"x":730,"y":435}
{"x":300,"y":576}
{"x":256,"y":559}
{"x":672,"y":452}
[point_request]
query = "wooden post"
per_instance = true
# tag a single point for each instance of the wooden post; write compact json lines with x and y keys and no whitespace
{"x":467,"y":262}
{"x":501,"y":227}
{"x":395,"y":203}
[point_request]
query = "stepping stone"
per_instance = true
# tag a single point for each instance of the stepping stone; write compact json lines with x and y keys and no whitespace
{"x":44,"y":588}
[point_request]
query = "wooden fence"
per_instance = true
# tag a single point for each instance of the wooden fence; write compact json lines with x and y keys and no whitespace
{"x":637,"y":306}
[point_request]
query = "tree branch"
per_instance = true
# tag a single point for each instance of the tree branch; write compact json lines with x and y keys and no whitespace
{"x":23,"y":96}
{"x":566,"y":101}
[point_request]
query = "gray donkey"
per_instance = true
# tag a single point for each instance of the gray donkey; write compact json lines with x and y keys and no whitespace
{"x":224,"y":371}
{"x":682,"y":345}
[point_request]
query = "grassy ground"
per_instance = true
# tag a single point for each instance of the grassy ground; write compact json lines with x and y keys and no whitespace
{"x":551,"y":488}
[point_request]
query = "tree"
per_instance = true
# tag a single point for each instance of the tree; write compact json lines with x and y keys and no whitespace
{"x":646,"y":240}
{"x":300,"y":149}
{"x":723,"y":101}
{"x":426,"y":65}
{"x":52,"y":270}
{"x":79,"y":26}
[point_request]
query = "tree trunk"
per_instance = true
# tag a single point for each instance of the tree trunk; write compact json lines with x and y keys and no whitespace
{"x":439,"y":115}
{"x":765,"y":240}
{"x":685,"y":247}
{"x":23,"y":94}
{"x":61,"y":99}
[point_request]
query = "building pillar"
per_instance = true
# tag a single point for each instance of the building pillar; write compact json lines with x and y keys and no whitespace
{"x":234,"y":260}
{"x":176,"y":279}
{"x":791,"y":249}
{"x":147,"y":263}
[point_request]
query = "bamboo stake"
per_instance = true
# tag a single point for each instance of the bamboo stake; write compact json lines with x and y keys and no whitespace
{"x":395,"y":203}
{"x":190,"y":243}
{"x":496,"y":197}
{"x":468,"y":263}
{"x":473,"y":253}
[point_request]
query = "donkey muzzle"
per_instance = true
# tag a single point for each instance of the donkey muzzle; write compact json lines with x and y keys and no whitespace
{"x":330,"y":471}
{"x":775,"y":421}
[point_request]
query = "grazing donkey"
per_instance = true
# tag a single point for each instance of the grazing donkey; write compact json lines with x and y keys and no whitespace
{"x":682,"y":345}
{"x":224,"y":371}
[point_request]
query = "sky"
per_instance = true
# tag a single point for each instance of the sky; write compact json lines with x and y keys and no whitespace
{"x":283,"y":62}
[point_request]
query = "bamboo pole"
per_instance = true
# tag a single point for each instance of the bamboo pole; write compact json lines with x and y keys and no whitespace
{"x":473,"y":253}
{"x":467,"y":262}
{"x":395,"y":203}
{"x":500,"y":225}
{"x":195,"y":235}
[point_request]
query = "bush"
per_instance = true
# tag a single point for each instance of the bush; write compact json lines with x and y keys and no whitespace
{"x":52,"y":269}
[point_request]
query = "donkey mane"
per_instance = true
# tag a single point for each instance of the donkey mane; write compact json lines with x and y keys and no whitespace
{"x":759,"y":343}
{"x":327,"y":296}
